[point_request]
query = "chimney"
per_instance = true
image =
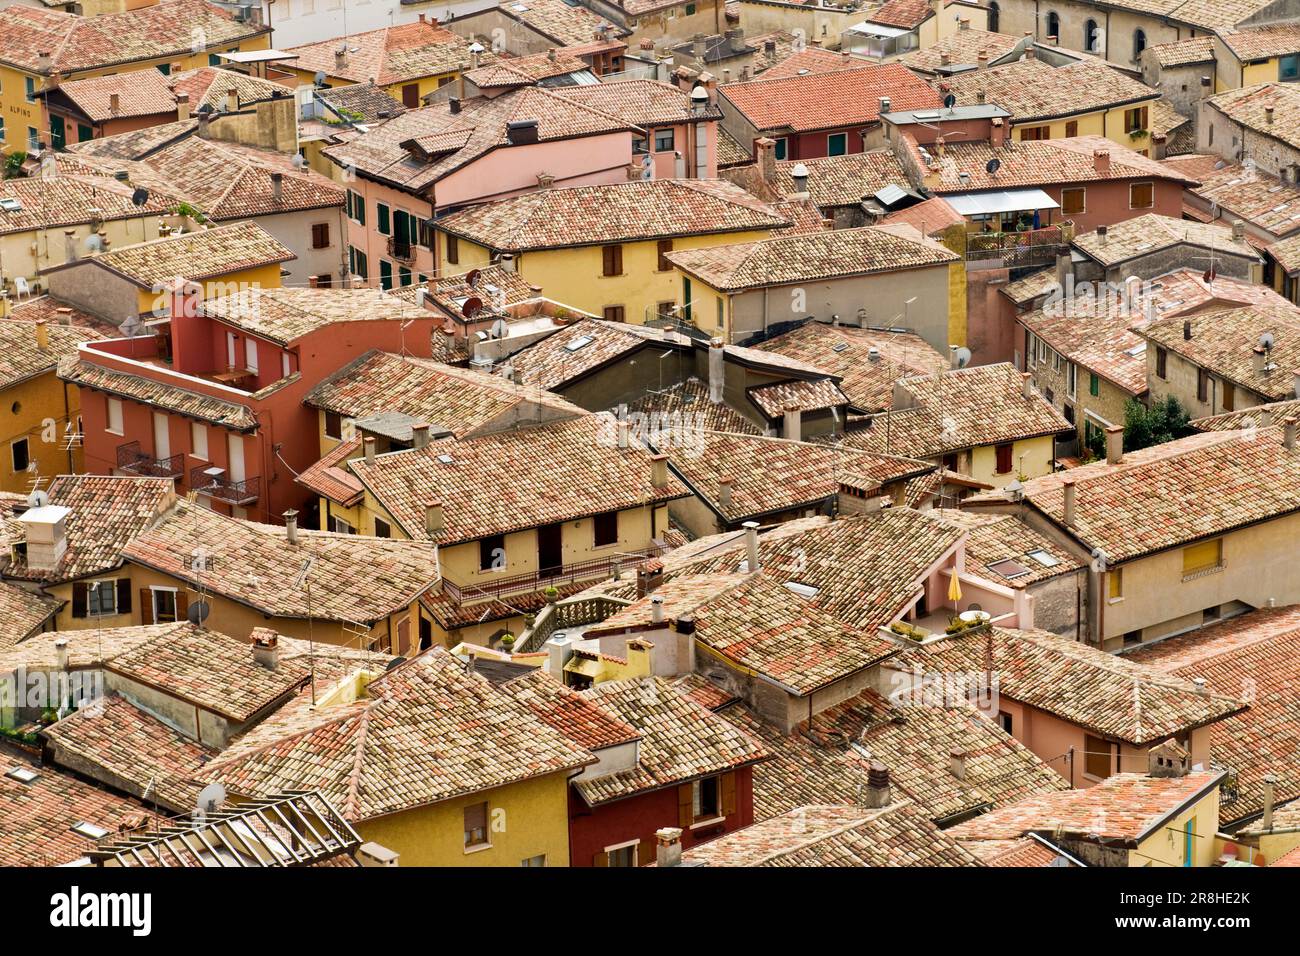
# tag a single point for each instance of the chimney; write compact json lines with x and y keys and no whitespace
{"x":1187,"y":330}
{"x":1114,"y":444}
{"x":1067,"y":515}
{"x":420,"y":435}
{"x":1063,"y":270}
{"x":1101,"y":235}
{"x":1026,"y":385}
{"x":751,"y":545}
{"x":42,"y":335}
{"x":369,"y":445}
{"x":434,"y":521}
{"x":1268,"y":115}
{"x":724,"y":493}
{"x":277,"y":186}
{"x":982,"y":60}
{"x":506,"y":261}
{"x":1238,"y":229}
{"x":1266,"y":821}
{"x":657,"y":609}
{"x":44,"y":62}
{"x":558,"y":651}
{"x":114,"y":103}
{"x":877,"y":795}
{"x":648,"y":577}
{"x":232,"y":100}
{"x":291,"y":525}
{"x":766,"y":149}
{"x":1101,"y":161}
{"x":182,"y":107}
{"x":453,"y":104}
{"x":997,"y":132}
{"x":1288,"y":433}
{"x":800,"y":176}
{"x":1266,"y":413}
{"x":46,"y":533}
{"x":963,"y":23}
{"x":957,"y":764}
{"x":266,"y":648}
{"x":61,"y":650}
{"x":717,"y":370}
{"x":945,"y":58}
{"x":699,"y":46}
{"x":374,"y":854}
{"x":668,"y":846}
{"x":791,"y":429}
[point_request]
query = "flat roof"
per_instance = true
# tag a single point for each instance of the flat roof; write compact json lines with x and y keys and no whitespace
{"x":1007,"y":200}
{"x":940,"y":114}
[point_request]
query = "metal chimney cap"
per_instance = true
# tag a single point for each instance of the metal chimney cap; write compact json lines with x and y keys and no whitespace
{"x":800,"y":171}
{"x":699,"y":94}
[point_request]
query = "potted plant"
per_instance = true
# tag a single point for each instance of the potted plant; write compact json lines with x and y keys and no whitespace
{"x":551,"y":593}
{"x":507,"y":642}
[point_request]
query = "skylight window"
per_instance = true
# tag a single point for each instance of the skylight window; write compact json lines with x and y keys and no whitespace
{"x":803,"y":590}
{"x":581,"y":342}
{"x":89,"y":830}
{"x":11,"y":205}
{"x":446,"y":459}
{"x":1008,"y":568}
{"x":22,"y":774}
{"x":840,"y":347}
{"x":1043,"y":558}
{"x":1136,"y":350}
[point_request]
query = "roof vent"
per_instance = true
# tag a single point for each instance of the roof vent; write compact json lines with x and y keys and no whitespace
{"x":521,"y":132}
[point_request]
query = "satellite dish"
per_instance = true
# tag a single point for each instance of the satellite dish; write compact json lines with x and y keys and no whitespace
{"x":963,"y":356}
{"x":993,"y":165}
{"x":298,"y":161}
{"x":320,"y":78}
{"x":471,"y":278}
{"x":1266,"y":340}
{"x":94,"y":243}
{"x":38,"y":499}
{"x":950,"y":101}
{"x":211,"y":798}
{"x":395,"y":663}
{"x":140,"y":196}
{"x":1210,"y":275}
{"x":198,"y":613}
{"x":500,"y":329}
{"x":472,"y":307}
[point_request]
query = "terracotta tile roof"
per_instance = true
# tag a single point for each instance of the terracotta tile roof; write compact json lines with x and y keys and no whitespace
{"x":1184,"y":52}
{"x":58,"y":312}
{"x":641,"y":102}
{"x":22,"y":359}
{"x":1138,"y":506}
{"x":1025,"y":290}
{"x":359,"y":579}
{"x":1258,"y":416}
{"x":205,"y":254}
{"x":1262,"y":42}
{"x":582,"y":718}
{"x":771,"y":475}
{"x":66,"y":200}
{"x":702,"y":691}
{"x":998,"y":537}
{"x":812,"y":60}
{"x":1126,"y":808}
{"x":525,"y":70}
{"x":413,"y":151}
{"x":196,"y":405}
{"x":1145,"y":234}
{"x":564,"y":356}
{"x":210,"y":86}
{"x":730,"y":152}
{"x":828,"y":100}
{"x":83,"y":43}
{"x":365,"y":100}
{"x":330,"y":478}
{"x":37,"y":817}
{"x":680,"y":740}
{"x":898,"y":835}
{"x":929,"y":218}
{"x":809,"y":257}
{"x":806,"y":396}
{"x":1104,"y":344}
{"x":561,"y":22}
{"x":396,"y":54}
{"x":621,"y":212}
{"x":1246,"y":193}
{"x":963,"y":48}
{"x":134,"y":750}
{"x":1256,"y":654}
{"x":687,"y":403}
{"x":224,"y":181}
{"x":1198,"y":166}
{"x":1036,"y":90}
{"x":957,"y":409}
{"x":1288,"y":859}
{"x":23,"y":612}
{"x":1108,"y":695}
{"x":1223,"y":342}
{"x":286,"y":315}
{"x":904,"y":14}
{"x":420,"y":734}
{"x":1020,"y":852}
{"x":1166,"y":121}
{"x":845,"y":352}
{"x":107,"y":513}
{"x":915,"y":745}
{"x":148,"y":93}
{"x":1044,"y":162}
{"x":86,"y":648}
{"x":461,"y":401}
{"x":1247,"y":106}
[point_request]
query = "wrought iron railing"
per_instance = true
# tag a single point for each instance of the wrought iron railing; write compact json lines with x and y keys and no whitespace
{"x":131,"y":459}
{"x":223,"y":489}
{"x":403,"y":251}
{"x":494,"y":586}
{"x":1017,"y":249}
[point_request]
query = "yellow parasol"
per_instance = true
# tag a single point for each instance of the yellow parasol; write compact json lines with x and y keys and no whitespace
{"x":954,"y":588}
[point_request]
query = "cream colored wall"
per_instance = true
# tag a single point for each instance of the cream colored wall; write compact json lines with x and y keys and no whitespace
{"x":27,"y":253}
{"x":1166,"y":847}
{"x":1031,"y":457}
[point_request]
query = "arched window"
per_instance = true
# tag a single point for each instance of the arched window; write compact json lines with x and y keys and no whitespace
{"x":1090,"y":34}
{"x":994,"y":11}
{"x":1053,"y":25}
{"x":1139,"y":43}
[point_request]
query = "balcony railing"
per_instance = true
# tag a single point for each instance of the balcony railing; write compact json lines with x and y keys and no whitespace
{"x":221,"y":488}
{"x":135,"y":462}
{"x":493,"y":586}
{"x":400,"y":250}
{"x":1016,"y":249}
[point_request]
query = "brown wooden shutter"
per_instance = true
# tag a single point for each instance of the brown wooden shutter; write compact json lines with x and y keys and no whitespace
{"x":79,"y":597}
{"x":182,"y":605}
{"x":645,"y":853}
{"x":600,"y":859}
{"x":1146,"y":117}
{"x":665,"y":247}
{"x":685,"y":805}
{"x":146,"y":607}
{"x":728,"y":787}
{"x":123,"y":595}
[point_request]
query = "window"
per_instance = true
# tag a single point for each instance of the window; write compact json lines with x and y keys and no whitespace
{"x":1094,"y":385}
{"x":385,"y":274}
{"x":614,"y":313}
{"x":1035,"y":132}
{"x":320,"y":235}
{"x":357,"y":264}
{"x":1004,"y":458}
{"x":1202,"y":385}
{"x":30,"y":91}
{"x":781,"y":149}
{"x":1162,"y":362}
{"x":1004,"y":721}
{"x":18,"y":454}
{"x":453,"y":250}
{"x":476,"y":832}
{"x":665,"y":247}
{"x":1053,"y":25}
{"x":403,"y":276}
{"x":639,"y":146}
{"x":1072,"y":128}
{"x":1206,"y":556}
{"x":666,"y":310}
{"x":383,"y":219}
{"x":492,"y":553}
{"x":539,"y":860}
{"x":1139,"y":44}
{"x":1135,"y":119}
{"x":1091,"y":36}
{"x":624,"y":856}
{"x":611,"y":260}
{"x":33,"y":140}
{"x":1115,"y":583}
{"x":606,"y":528}
{"x":1072,"y":380}
{"x":837,"y":144}
{"x":199,"y":440}
{"x":250,"y":354}
{"x":722,"y":315}
{"x":285,"y":367}
{"x":1288,"y":67}
{"x":101,"y":598}
{"x":1096,"y":758}
{"x":690,"y":10}
{"x":663,"y":140}
{"x":383,"y":529}
{"x":993,"y":16}
{"x":1229,"y":397}
{"x":339,"y":526}
{"x":114,"y":416}
{"x":705,"y":804}
{"x":1073,"y":201}
{"x":357,"y":207}
{"x":164,"y":605}
{"x":334,"y":426}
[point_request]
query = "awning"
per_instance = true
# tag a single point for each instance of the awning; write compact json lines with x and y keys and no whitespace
{"x":256,"y":56}
{"x":876,"y":30}
{"x":1011,"y":200}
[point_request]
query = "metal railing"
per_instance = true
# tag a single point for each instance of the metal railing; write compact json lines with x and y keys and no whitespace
{"x":492,"y":586}
{"x":403,"y":251}
{"x":223,"y":489}
{"x":131,"y":459}
{"x":1016,"y":249}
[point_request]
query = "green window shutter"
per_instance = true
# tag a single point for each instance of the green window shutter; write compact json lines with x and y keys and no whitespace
{"x":382,"y":223}
{"x":385,"y":274}
{"x":403,"y":275}
{"x":1094,"y":385}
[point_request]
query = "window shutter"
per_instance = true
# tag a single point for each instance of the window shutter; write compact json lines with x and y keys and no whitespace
{"x":182,"y":605}
{"x":1146,"y":117}
{"x":79,"y":595}
{"x":645,"y":853}
{"x":600,"y":859}
{"x":123,"y":595}
{"x":685,"y":805}
{"x":146,"y":607}
{"x":728,"y":787}
{"x":665,"y":247}
{"x":618,"y":260}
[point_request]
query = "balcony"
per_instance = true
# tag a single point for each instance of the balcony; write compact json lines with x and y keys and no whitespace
{"x":401,"y":250}
{"x":493,"y":586}
{"x":215,"y":484}
{"x":133,"y":461}
{"x":1014,"y":250}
